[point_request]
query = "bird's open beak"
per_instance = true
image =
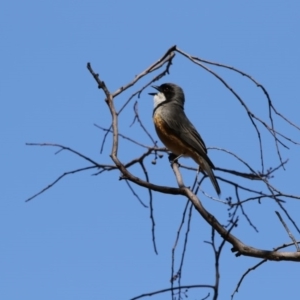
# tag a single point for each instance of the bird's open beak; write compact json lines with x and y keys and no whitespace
{"x":155,"y":87}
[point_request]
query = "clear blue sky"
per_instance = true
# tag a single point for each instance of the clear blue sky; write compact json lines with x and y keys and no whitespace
{"x":88,"y":237}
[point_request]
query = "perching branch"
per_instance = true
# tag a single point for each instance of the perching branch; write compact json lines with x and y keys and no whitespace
{"x":243,"y":193}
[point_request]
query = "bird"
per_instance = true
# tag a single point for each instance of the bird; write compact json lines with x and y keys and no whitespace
{"x":175,"y":130}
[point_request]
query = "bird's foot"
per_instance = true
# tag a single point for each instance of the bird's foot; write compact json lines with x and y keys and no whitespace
{"x":174,"y":158}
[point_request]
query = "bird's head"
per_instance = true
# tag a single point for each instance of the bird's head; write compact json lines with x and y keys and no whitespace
{"x":168,"y":93}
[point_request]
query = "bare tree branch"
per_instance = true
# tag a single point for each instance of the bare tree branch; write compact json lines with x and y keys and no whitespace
{"x":196,"y":286}
{"x":288,"y":231}
{"x":244,"y":194}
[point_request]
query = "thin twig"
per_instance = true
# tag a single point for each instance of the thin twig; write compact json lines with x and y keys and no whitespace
{"x":137,"y":117}
{"x":135,"y":194}
{"x":151,"y":207}
{"x":58,"y":179}
{"x":288,"y":231}
{"x":175,"y":288}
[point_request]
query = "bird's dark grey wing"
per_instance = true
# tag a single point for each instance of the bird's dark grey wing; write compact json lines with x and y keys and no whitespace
{"x":187,"y":132}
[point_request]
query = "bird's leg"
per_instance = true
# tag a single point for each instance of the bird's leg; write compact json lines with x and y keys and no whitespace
{"x":174,"y":158}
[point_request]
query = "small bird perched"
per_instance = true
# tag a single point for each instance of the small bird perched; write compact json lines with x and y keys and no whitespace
{"x":176,"y":131}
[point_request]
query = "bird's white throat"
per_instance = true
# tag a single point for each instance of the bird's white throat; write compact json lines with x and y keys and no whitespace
{"x":159,"y":98}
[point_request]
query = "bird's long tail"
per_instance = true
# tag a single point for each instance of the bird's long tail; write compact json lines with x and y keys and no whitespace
{"x":208,"y":170}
